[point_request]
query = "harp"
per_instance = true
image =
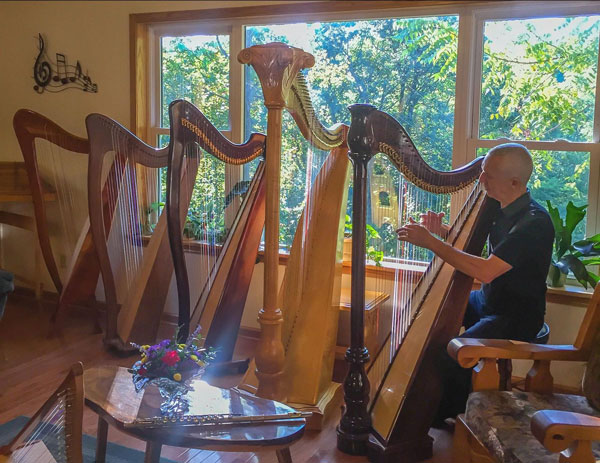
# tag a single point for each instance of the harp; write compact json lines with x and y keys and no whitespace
{"x":122,"y":194}
{"x":310,"y":292}
{"x":55,"y":161}
{"x":390,"y":406}
{"x":223,"y":253}
{"x":54,"y":433}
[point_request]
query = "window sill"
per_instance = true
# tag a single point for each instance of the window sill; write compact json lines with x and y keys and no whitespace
{"x":570,"y":294}
{"x":388,"y":269}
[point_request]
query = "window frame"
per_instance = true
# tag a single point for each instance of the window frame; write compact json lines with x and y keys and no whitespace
{"x":146,"y":27}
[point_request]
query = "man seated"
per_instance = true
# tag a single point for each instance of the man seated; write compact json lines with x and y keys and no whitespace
{"x":512,"y":300}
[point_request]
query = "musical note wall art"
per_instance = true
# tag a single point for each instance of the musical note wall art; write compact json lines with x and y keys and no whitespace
{"x":57,"y":76}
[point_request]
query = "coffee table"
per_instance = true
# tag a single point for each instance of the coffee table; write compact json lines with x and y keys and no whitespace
{"x":109,"y":392}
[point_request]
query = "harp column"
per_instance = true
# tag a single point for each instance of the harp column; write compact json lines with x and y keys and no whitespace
{"x":355,"y":425}
{"x":276,"y":65}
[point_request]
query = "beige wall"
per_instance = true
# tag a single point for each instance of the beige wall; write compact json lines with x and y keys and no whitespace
{"x":96,"y":34}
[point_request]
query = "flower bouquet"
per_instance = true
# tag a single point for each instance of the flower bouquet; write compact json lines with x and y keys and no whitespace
{"x":170,"y":365}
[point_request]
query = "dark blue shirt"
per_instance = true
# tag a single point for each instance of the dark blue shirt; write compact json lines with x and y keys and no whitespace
{"x":522,"y":235}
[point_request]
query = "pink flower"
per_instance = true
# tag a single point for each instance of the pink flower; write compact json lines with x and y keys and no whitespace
{"x":170,"y":358}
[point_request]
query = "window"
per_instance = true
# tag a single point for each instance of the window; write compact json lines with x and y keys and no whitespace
{"x":538,"y":87}
{"x":461,"y":79}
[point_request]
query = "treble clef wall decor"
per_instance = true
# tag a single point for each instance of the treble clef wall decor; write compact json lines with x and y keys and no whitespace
{"x":57,"y":76}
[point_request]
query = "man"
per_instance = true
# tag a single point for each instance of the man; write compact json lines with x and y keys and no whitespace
{"x":512,"y":300}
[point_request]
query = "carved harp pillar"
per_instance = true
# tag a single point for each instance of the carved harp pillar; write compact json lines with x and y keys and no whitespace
{"x":390,"y":406}
{"x":276,"y":65}
{"x":353,"y":430}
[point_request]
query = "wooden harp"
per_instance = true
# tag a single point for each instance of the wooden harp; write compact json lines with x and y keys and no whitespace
{"x":390,"y":406}
{"x":131,"y":245}
{"x":222,"y":254}
{"x":54,"y":433}
{"x":56,"y":162}
{"x":310,"y":292}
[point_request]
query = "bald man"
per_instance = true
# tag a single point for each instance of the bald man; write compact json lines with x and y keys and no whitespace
{"x":512,"y":300}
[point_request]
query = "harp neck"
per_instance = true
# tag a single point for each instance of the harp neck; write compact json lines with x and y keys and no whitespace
{"x":276,"y":65}
{"x":300,"y":106}
{"x":374,"y":131}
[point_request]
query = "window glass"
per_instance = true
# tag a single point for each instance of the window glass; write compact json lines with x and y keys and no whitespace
{"x":560,"y":177}
{"x":405,"y":67}
{"x":196,"y":68}
{"x":539,"y":78}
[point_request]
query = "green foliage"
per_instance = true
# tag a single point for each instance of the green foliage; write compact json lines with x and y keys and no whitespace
{"x":567,"y":255}
{"x":372,"y":235}
{"x":541,"y":86}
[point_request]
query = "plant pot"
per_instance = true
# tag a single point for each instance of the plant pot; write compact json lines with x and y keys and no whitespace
{"x":347,"y":250}
{"x":556,"y":278}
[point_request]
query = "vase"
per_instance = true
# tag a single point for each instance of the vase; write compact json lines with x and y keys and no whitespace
{"x":556,"y":278}
{"x":175,"y":401}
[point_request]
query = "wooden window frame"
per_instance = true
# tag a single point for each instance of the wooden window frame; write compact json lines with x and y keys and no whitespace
{"x":472,"y":17}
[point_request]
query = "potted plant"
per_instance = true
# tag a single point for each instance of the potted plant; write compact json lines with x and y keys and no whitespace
{"x":568,"y":256}
{"x":372,"y":234}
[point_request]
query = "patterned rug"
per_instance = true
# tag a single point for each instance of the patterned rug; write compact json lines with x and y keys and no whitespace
{"x":115,"y":453}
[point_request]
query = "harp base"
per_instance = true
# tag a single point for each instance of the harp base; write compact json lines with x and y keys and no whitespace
{"x":119,"y":347}
{"x":406,"y":452}
{"x":352,"y":444}
{"x":328,"y":403}
{"x":230,"y":367}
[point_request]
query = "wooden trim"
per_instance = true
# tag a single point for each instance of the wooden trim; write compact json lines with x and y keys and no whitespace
{"x":139,"y":29}
{"x":139,"y":56}
{"x":571,"y":295}
{"x":298,"y":9}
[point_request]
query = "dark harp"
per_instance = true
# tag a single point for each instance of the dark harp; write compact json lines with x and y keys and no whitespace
{"x":136,"y":275}
{"x":56,"y":161}
{"x":390,"y":406}
{"x":227,"y":240}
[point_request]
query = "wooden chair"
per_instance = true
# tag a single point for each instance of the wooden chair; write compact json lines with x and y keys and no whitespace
{"x":54,"y":433}
{"x":530,"y":426}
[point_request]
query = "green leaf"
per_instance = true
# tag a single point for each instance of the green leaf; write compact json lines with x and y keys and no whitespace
{"x":587,"y":248}
{"x":558,"y":227}
{"x":575,"y":214}
{"x":577,"y":267}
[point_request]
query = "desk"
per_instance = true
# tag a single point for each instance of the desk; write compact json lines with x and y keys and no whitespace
{"x":14,"y":187}
{"x":109,"y":392}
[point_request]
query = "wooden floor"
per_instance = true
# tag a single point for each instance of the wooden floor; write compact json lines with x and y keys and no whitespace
{"x":32,"y":365}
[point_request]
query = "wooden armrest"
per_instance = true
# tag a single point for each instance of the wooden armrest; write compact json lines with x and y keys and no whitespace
{"x":557,"y":430}
{"x":468,"y":351}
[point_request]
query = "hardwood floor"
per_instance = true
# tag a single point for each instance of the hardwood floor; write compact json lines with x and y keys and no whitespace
{"x":33,"y":364}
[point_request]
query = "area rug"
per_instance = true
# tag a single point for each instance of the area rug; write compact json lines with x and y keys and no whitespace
{"x":115,"y":453}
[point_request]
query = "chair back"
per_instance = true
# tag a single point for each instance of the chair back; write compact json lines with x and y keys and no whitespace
{"x":590,"y":324}
{"x":588,"y":339}
{"x":591,"y":378}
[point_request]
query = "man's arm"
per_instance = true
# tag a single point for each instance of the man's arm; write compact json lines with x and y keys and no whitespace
{"x":485,"y":270}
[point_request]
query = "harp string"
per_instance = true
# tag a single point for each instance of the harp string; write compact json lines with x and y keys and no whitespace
{"x":209,"y":219}
{"x":62,"y":172}
{"x":406,"y":293}
{"x":51,"y":431}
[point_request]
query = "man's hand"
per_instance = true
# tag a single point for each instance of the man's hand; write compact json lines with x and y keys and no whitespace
{"x":416,"y":234}
{"x":433,"y":222}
